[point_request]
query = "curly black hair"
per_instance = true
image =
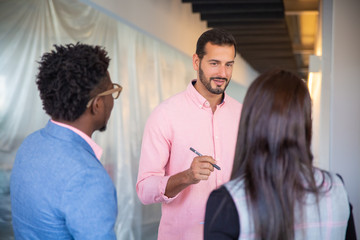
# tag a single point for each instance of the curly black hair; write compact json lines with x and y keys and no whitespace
{"x":68,"y":76}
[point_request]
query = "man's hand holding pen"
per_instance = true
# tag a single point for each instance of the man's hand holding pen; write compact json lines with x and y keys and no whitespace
{"x":200,"y":169}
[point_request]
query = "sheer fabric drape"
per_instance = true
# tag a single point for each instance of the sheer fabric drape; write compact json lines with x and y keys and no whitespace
{"x":148,"y":70}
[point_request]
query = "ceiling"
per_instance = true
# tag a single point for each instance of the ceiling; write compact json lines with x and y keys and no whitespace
{"x":269,"y":33}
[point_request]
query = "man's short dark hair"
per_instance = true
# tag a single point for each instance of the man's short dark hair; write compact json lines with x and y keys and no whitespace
{"x":67,"y":76}
{"x":215,"y":36}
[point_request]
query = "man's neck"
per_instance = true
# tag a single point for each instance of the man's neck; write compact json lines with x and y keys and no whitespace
{"x":213,"y":99}
{"x":80,"y":124}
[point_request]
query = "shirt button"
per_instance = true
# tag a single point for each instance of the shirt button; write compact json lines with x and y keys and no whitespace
{"x":207,"y":104}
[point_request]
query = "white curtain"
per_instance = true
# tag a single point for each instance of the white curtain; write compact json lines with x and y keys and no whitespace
{"x":149,"y":71}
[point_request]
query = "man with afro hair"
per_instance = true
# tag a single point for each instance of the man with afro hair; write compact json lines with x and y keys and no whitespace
{"x":59,"y":188}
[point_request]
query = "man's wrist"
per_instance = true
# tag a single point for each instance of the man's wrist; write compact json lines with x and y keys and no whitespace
{"x":188,"y":177}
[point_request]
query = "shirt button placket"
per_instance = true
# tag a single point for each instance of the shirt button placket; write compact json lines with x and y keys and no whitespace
{"x":217,"y":150}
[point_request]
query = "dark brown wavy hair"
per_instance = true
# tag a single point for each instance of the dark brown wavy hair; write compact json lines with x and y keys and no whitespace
{"x":273,"y":154}
{"x":216,"y":36}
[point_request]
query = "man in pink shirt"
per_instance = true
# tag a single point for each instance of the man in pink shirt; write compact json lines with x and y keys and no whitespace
{"x":203,"y":117}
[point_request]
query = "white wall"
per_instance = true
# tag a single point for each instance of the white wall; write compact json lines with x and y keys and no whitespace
{"x":336,"y":97}
{"x":345,"y":95}
{"x":335,"y":94}
{"x":170,"y":21}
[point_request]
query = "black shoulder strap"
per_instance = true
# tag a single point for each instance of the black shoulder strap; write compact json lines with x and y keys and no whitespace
{"x":350,"y":230}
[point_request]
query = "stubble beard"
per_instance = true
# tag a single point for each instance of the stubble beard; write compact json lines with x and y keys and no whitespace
{"x":103,"y":129}
{"x":207,"y":84}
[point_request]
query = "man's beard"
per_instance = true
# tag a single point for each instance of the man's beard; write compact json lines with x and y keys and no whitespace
{"x":207,"y":84}
{"x":102,"y":129}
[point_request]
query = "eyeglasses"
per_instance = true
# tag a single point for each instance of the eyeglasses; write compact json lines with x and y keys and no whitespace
{"x":115,"y":92}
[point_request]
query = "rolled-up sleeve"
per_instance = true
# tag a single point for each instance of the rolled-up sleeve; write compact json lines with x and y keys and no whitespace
{"x":155,"y":152}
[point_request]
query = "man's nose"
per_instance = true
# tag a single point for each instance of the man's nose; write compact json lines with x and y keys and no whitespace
{"x":222,"y":71}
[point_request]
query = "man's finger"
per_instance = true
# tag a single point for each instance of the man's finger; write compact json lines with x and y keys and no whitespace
{"x":206,"y":159}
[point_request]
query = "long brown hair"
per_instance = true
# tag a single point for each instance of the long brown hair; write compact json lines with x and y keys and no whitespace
{"x":273,"y":154}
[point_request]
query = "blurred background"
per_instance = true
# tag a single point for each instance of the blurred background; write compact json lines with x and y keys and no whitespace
{"x":151,"y":43}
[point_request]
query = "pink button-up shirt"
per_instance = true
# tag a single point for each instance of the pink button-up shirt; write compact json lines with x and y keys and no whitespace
{"x":183,"y":121}
{"x":96,"y":148}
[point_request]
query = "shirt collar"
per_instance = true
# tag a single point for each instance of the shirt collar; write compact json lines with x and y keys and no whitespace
{"x":198,"y":98}
{"x":96,"y":148}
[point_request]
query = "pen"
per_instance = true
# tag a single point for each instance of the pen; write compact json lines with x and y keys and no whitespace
{"x":199,"y":154}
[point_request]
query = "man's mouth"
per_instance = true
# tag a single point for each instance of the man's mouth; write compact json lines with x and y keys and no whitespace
{"x":219,"y":81}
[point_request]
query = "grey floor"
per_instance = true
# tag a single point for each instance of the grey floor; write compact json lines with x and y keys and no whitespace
{"x":6,"y":232}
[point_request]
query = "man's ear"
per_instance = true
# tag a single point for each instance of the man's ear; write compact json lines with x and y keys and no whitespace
{"x":196,"y":62}
{"x":96,"y":105}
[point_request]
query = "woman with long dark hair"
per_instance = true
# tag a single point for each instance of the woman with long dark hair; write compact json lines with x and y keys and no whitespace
{"x":275,"y":191}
